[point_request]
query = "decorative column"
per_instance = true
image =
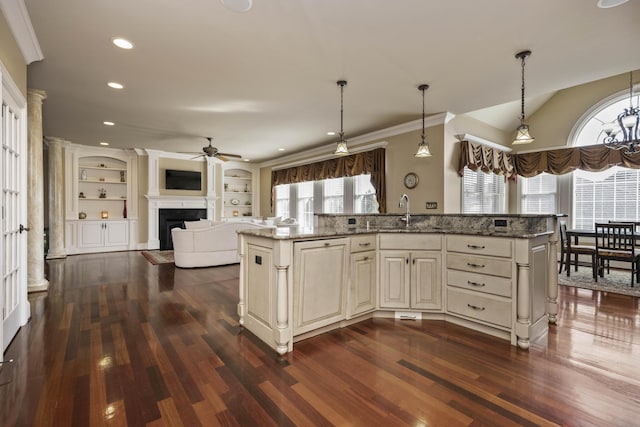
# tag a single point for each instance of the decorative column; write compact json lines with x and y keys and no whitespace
{"x":56,"y":198}
{"x":36,"y":281}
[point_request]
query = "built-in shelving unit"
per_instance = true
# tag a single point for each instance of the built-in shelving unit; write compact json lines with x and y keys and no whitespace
{"x":101,"y":208}
{"x":239,"y":190}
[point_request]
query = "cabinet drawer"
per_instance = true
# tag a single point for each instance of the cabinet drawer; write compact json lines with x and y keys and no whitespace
{"x":478,"y":245}
{"x":483,"y":307}
{"x":405,"y":241}
{"x":363,"y":243}
{"x":478,"y":264}
{"x":479,"y":282}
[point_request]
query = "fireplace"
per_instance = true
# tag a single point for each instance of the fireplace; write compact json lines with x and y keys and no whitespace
{"x":171,"y":218}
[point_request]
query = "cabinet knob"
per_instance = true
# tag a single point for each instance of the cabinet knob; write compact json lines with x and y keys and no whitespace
{"x":475,"y":247}
{"x":474,"y":265}
{"x":475,"y":283}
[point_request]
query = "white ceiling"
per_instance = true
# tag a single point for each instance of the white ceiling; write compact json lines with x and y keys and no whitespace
{"x":266,"y":79}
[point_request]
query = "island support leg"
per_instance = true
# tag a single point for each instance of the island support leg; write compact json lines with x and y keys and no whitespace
{"x":523,"y":322}
{"x":282,"y":332}
{"x":552,"y":282}
{"x":241,"y":288}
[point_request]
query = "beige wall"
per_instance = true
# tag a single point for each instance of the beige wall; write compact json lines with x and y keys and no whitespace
{"x":552,"y":123}
{"x":165,"y":163}
{"x":11,"y":57}
{"x":438,"y":175}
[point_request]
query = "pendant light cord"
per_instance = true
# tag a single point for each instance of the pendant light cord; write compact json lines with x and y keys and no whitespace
{"x":522,"y":98}
{"x":423,"y":88}
{"x":341,"y":111}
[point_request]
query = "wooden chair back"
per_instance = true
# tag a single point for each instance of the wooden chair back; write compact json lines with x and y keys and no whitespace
{"x":616,"y":241}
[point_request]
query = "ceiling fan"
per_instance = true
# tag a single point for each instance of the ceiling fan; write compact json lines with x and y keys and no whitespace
{"x":211,"y":151}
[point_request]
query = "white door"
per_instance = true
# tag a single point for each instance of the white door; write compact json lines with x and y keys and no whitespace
{"x":13,"y":239}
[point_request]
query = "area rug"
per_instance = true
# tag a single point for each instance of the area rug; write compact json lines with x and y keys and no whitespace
{"x":158,"y":257}
{"x":616,"y":281}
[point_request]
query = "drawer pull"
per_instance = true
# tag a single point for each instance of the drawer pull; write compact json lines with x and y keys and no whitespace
{"x":364,"y":244}
{"x":327,"y":244}
{"x":475,"y":307}
{"x":471,"y":264}
{"x":475,"y":247}
{"x":365,"y":258}
{"x":475,"y":283}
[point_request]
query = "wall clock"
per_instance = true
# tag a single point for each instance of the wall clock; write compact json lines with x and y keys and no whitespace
{"x":410,"y":180}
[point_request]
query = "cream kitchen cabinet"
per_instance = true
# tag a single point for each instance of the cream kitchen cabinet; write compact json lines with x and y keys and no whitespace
{"x":362,"y":279}
{"x":98,"y":236}
{"x":410,"y":279}
{"x":320,"y":277}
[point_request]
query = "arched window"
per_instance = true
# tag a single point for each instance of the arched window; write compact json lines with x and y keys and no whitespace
{"x":613,"y":194}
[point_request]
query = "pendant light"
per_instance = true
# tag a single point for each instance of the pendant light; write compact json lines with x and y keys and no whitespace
{"x":423,"y":147}
{"x":624,"y":132}
{"x":341,"y":148}
{"x":522,"y":133}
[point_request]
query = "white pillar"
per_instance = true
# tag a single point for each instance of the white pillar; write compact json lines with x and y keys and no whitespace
{"x":36,"y":281}
{"x":56,"y":197}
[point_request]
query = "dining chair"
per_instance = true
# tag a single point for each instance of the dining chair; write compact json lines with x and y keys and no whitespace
{"x":617,"y":242}
{"x":568,"y":248}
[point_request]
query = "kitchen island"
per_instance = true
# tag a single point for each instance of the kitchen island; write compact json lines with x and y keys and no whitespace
{"x":494,"y":274}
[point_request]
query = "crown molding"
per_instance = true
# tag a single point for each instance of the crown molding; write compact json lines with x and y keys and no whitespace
{"x":17,"y":17}
{"x":482,"y":141}
{"x":358,"y":143}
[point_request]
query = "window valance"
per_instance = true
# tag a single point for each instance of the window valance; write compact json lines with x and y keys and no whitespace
{"x":369,"y":162}
{"x":592,"y":158}
{"x":486,"y":159}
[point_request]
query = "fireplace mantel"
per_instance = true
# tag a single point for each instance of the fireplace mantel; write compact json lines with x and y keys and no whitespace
{"x":174,"y":202}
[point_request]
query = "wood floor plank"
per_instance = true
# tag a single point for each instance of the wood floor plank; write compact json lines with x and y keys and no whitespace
{"x":118,"y":341}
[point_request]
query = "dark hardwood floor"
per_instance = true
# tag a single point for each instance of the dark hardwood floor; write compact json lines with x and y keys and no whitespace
{"x":118,"y":341}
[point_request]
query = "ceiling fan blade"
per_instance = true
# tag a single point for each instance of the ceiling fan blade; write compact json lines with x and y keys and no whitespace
{"x":237,"y":156}
{"x":223,"y":158}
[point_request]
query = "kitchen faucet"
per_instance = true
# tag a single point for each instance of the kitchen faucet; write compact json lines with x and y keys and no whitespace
{"x":404,"y":202}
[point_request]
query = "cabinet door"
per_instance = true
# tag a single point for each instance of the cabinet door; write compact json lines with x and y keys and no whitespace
{"x":116,"y":233}
{"x":426,"y":281}
{"x":394,"y":279}
{"x":319,"y":283}
{"x":362,"y":292}
{"x":90,"y":234}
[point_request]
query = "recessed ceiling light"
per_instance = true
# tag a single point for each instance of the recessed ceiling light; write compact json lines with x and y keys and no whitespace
{"x":331,"y":133}
{"x":238,"y":5}
{"x":115,"y":85}
{"x":104,"y":143}
{"x":280,"y":149}
{"x":247,"y":160}
{"x":109,"y":123}
{"x":122,"y":43}
{"x":606,"y":4}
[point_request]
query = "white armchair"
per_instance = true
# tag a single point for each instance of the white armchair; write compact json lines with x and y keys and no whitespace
{"x":208,"y":243}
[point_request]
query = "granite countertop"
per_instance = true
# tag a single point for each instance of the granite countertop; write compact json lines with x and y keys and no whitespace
{"x":294,"y":233}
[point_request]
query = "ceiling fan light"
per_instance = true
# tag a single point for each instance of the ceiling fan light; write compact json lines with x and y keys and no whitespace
{"x":423,"y":150}
{"x":522,"y":135}
{"x":341,"y":149}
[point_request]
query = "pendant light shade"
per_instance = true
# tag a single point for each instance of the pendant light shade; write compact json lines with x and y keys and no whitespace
{"x":423,"y":147}
{"x":522,"y":133}
{"x":341,"y":147}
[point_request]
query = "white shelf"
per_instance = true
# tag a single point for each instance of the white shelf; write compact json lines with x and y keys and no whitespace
{"x":246,"y":178}
{"x":102,"y":169}
{"x":97,"y":181}
{"x":102,"y":199}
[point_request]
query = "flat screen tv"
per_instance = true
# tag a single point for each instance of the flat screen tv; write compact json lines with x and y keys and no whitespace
{"x":182,"y":180}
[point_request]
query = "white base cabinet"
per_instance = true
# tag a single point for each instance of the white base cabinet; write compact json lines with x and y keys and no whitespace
{"x":410,"y":279}
{"x":362,"y":278}
{"x":319,"y":283}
